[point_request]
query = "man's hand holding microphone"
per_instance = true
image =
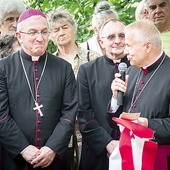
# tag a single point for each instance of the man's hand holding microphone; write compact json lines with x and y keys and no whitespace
{"x":119,"y":84}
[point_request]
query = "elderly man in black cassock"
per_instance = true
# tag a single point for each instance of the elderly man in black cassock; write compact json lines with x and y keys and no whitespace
{"x":147,"y":86}
{"x":38,"y":100}
{"x":94,"y":81}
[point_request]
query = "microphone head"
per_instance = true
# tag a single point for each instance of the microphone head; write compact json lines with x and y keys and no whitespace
{"x":122,"y":67}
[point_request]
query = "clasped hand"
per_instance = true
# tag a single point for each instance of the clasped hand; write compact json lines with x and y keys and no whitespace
{"x":38,"y":157}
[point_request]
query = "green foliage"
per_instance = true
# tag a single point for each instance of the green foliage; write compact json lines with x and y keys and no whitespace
{"x":83,"y":10}
{"x":125,"y":9}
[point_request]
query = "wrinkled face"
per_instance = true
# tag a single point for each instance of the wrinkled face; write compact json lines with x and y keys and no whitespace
{"x":33,"y":35}
{"x":62,"y":33}
{"x":136,"y":51}
{"x":159,"y":11}
{"x":9,"y":24}
{"x":112,"y":38}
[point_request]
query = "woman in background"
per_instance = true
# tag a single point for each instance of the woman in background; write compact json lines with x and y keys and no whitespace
{"x":102,"y":12}
{"x":63,"y":29}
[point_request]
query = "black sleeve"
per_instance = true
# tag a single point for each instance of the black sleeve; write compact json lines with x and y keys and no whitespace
{"x":11,"y":137}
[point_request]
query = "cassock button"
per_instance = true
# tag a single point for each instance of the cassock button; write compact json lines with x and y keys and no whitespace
{"x":142,"y":82}
{"x":39,"y":130}
{"x":37,"y":79}
{"x":38,"y":122}
{"x":38,"y":139}
{"x":145,"y":71}
{"x":36,"y":70}
{"x":35,"y":62}
{"x":38,"y":96}
{"x":38,"y":87}
{"x":134,"y":106}
{"x":139,"y":89}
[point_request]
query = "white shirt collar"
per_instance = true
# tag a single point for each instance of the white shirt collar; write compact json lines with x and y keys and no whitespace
{"x":35,"y":58}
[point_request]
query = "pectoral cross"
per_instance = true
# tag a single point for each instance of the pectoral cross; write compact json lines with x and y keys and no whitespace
{"x":38,"y":107}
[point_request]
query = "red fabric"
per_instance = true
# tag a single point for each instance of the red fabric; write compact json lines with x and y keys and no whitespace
{"x":29,"y":13}
{"x":139,"y":130}
{"x":125,"y":147}
{"x":147,"y":155}
{"x":163,"y":152}
{"x":126,"y":150}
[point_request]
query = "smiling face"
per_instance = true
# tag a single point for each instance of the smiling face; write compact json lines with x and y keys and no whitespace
{"x":113,"y":39}
{"x":33,"y":35}
{"x":135,"y":50}
{"x":143,"y":43}
{"x":159,"y":13}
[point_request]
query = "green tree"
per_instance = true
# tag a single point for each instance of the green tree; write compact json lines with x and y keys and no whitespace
{"x":125,"y":9}
{"x":83,"y":10}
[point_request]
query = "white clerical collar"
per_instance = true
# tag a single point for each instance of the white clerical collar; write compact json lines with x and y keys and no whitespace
{"x":35,"y":58}
{"x":117,"y":61}
{"x":153,"y":61}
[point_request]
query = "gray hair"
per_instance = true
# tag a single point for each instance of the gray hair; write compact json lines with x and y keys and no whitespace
{"x":140,"y":9}
{"x":101,"y":11}
{"x":145,"y":31}
{"x":10,"y":6}
{"x":59,"y":15}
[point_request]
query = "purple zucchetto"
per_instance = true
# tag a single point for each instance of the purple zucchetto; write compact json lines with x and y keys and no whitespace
{"x":29,"y":13}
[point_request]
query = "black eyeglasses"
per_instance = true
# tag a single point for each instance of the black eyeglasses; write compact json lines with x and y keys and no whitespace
{"x":36,"y":33}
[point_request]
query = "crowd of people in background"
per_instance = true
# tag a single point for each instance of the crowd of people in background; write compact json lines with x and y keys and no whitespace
{"x":56,"y":109}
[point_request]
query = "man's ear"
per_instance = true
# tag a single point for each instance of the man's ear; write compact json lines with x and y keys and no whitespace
{"x":101,"y":43}
{"x":148,"y":47}
{"x":18,"y":35}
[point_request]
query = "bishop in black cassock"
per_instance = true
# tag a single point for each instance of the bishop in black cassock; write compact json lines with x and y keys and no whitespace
{"x":147,"y":90}
{"x":20,"y":124}
{"x":150,"y":96}
{"x":94,"y":81}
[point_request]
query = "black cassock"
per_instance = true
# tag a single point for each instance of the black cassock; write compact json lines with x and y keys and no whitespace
{"x":20,"y":125}
{"x":94,"y":88}
{"x":151,"y":98}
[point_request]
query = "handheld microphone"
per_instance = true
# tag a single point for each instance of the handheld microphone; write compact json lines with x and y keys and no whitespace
{"x":122,"y":70}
